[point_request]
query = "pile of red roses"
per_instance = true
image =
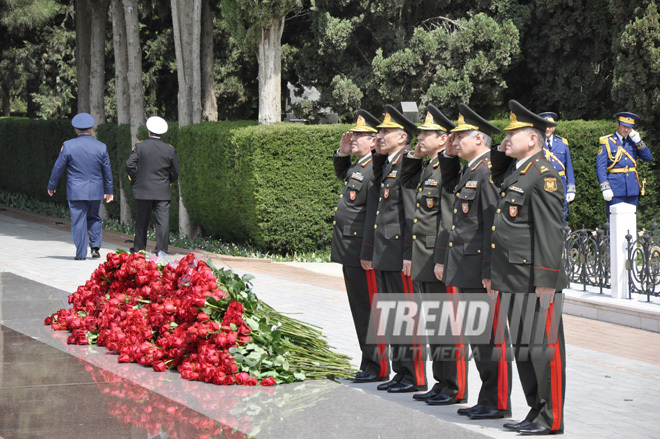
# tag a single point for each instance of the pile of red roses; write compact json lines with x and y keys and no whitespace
{"x":160,"y":317}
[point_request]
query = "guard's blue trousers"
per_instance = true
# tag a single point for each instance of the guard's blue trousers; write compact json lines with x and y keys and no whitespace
{"x":85,"y":220}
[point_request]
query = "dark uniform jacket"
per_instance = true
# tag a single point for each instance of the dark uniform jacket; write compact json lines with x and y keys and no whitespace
{"x":351,"y":211}
{"x":392,"y":234}
{"x":528,"y":237}
{"x":152,"y":167}
{"x":468,"y":258}
{"x":432,"y":215}
{"x":87,"y":167}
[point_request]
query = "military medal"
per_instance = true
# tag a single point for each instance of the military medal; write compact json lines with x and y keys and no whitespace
{"x":357,"y":176}
{"x":472,"y":184}
{"x":392,"y":174}
{"x":430,"y":182}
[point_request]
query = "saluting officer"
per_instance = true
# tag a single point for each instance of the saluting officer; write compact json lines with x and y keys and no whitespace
{"x":430,"y":234}
{"x":468,"y":257}
{"x":392,"y":241}
{"x":89,"y":181}
{"x":616,"y":163}
{"x":527,"y":266}
{"x":349,"y":228}
{"x":557,"y":152}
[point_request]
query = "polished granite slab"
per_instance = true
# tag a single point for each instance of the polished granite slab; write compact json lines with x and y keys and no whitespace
{"x":51,"y":389}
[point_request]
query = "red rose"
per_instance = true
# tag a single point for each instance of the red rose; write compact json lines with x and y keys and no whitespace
{"x":270,"y":381}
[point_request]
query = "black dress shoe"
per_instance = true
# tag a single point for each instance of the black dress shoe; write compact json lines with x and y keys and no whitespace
{"x":467,"y":410}
{"x":536,"y":429}
{"x":443,"y":399}
{"x":516,"y":425}
{"x":78,"y":259}
{"x":403,"y":388}
{"x":95,"y":252}
{"x":490,"y":414}
{"x":390,"y":383}
{"x":365,"y":377}
{"x":426,"y":396}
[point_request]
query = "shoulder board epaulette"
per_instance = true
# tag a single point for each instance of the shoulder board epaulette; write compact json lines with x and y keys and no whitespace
{"x":436,"y":164}
{"x":563,"y":140}
{"x":366,"y":162}
{"x":603,"y":140}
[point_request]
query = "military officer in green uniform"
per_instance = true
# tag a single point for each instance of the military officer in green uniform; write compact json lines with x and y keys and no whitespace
{"x":392,"y":241}
{"x":527,"y":266}
{"x":468,"y":257}
{"x":430,"y":232}
{"x":347,"y":234}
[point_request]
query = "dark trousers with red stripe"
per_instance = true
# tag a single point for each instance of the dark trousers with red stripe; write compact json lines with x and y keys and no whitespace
{"x":540,"y":358}
{"x":361,"y":286}
{"x":449,"y":372}
{"x":493,"y":359}
{"x":407,"y":360}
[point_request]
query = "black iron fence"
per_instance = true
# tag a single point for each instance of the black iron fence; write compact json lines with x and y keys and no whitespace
{"x":587,"y":260}
{"x":643,"y":263}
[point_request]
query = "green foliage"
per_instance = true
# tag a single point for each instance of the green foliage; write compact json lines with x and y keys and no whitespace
{"x":637,"y":71}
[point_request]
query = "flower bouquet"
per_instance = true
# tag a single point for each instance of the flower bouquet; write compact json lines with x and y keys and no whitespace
{"x":205,"y":322}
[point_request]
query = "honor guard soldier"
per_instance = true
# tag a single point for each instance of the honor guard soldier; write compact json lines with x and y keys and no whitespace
{"x":349,"y":227}
{"x":527,"y":266}
{"x":616,"y":163}
{"x":430,"y":233}
{"x":557,"y":152}
{"x":468,"y":258}
{"x":392,"y":241}
{"x":89,"y":181}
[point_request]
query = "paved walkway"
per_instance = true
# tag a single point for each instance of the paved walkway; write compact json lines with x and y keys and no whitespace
{"x":48,"y":388}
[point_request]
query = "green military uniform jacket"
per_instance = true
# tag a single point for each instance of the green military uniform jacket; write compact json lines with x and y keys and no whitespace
{"x":432,"y":215}
{"x":351,"y":212}
{"x":528,"y":228}
{"x":392,"y":237}
{"x":468,"y":256}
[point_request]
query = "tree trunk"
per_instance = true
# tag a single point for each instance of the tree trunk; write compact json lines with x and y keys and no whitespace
{"x":209,"y":102}
{"x":99,"y":19}
{"x":6,"y":100}
{"x":121,"y":92}
{"x":270,"y":74}
{"x":83,"y":40}
{"x":186,"y":24}
{"x":134,"y":70}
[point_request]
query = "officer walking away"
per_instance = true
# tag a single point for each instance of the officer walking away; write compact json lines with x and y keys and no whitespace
{"x":556,"y":150}
{"x":152,"y":168}
{"x":528,"y":269}
{"x":349,"y":227}
{"x":392,"y":241}
{"x":468,"y":256}
{"x":430,"y":233}
{"x":616,"y":163}
{"x":89,"y":181}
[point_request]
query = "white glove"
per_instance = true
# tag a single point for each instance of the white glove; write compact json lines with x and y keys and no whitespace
{"x":570,"y":196}
{"x":634,"y":136}
{"x":608,"y":194}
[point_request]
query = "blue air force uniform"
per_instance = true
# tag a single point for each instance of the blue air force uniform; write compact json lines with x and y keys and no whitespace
{"x":616,"y":164}
{"x":89,"y":177}
{"x":557,"y":153}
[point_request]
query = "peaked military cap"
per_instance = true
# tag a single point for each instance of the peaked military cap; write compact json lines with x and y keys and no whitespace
{"x":435,"y":120}
{"x":82,"y":121}
{"x":366,"y":123}
{"x":469,"y":120}
{"x":521,"y":117}
{"x":627,"y":119}
{"x":394,"y":119}
{"x":552,"y":117}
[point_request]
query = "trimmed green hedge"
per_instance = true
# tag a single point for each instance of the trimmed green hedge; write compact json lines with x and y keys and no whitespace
{"x":272,"y":186}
